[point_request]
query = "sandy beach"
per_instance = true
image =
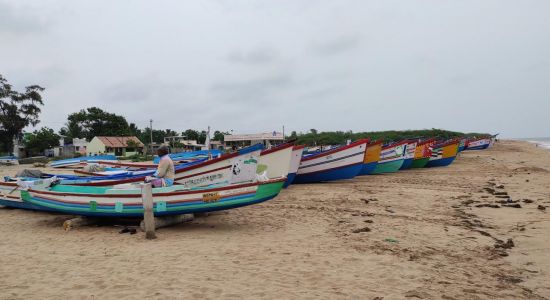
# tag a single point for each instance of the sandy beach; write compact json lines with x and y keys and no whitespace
{"x":439,"y":233}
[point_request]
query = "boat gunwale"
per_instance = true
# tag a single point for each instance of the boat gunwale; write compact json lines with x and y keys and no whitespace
{"x":332,"y":151}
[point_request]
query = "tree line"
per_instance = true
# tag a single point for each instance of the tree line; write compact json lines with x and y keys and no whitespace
{"x":313,"y":137}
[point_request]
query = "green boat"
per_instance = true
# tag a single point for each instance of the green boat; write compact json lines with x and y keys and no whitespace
{"x":388,"y":167}
{"x":127,"y":202}
{"x":420,"y":162}
{"x":392,"y":158}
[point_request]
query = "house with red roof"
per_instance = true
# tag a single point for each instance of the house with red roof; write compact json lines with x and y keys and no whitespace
{"x":115,"y":145}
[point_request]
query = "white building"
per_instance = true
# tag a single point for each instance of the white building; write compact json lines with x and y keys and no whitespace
{"x":268,"y":139}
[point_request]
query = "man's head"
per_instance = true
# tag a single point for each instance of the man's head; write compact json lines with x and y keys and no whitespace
{"x":162,"y":150}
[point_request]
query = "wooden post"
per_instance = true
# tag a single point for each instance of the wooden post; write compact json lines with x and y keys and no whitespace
{"x":148,"y":216}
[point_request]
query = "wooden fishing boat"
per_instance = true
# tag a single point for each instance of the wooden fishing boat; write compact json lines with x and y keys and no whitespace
{"x":340,"y":163}
{"x":462,"y":144}
{"x":199,"y":154}
{"x":478,"y":144}
{"x":76,"y":162}
{"x":422,"y":153}
{"x":10,"y":194}
{"x":127,"y":202}
{"x":275,"y":162}
{"x":409,"y":155}
{"x":372,"y":156}
{"x":237,"y":169}
{"x":297,"y":152}
{"x":391,"y":158}
{"x":443,"y":154}
{"x":214,"y":171}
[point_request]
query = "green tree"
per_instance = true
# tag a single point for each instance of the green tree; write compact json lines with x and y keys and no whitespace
{"x":202,"y":137}
{"x":191,"y":134}
{"x":42,"y":139}
{"x":340,"y":137}
{"x":134,"y":130}
{"x":219,"y":136}
{"x":17,"y":110}
{"x":158,"y":136}
{"x":94,"y":121}
{"x":293,"y":135}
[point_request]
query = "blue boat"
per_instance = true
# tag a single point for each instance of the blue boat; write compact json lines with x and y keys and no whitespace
{"x":443,"y":154}
{"x":478,"y":144}
{"x":341,"y":163}
{"x":77,"y":160}
{"x":191,"y":155}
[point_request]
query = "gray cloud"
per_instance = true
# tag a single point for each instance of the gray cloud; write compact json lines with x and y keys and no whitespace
{"x":336,"y":46}
{"x":252,"y":91}
{"x":17,"y":21}
{"x":253,"y":57}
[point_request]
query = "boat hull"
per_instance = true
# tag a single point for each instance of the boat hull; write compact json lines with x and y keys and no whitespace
{"x":420,"y":163}
{"x":295,"y":160}
{"x":372,"y":157}
{"x":336,"y":164}
{"x":407,"y":163}
{"x":21,"y":205}
{"x":345,"y":172}
{"x":443,"y":162}
{"x":482,"y":147}
{"x":289,"y":180}
{"x":368,"y":168}
{"x":480,"y":144}
{"x":131,"y":205}
{"x":443,"y":155}
{"x":388,"y":167}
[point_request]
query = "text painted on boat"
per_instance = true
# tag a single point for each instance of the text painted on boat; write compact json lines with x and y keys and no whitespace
{"x":211,"y":197}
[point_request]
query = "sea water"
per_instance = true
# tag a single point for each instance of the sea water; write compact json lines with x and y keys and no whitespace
{"x":541,"y":142}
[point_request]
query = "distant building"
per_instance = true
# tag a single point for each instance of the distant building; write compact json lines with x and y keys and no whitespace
{"x":115,"y":145}
{"x":268,"y":139}
{"x":183,"y":144}
{"x":80,"y":146}
{"x":217,"y":145}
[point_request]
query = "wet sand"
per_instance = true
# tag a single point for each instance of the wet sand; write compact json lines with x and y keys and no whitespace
{"x":420,"y":234}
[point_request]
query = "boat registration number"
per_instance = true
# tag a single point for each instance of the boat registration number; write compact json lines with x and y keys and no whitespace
{"x":210,"y":197}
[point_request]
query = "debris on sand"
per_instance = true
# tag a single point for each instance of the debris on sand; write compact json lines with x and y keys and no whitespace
{"x":489,"y":190}
{"x":500,"y":193}
{"x":364,"y":229}
{"x":527,"y":201}
{"x":541,"y":207}
{"x":509,"y":244}
{"x":513,"y":205}
{"x":488,"y":205}
{"x":507,"y":201}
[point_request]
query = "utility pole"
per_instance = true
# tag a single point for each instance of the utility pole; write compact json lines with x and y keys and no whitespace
{"x":151,"y":141}
{"x":283,"y":133}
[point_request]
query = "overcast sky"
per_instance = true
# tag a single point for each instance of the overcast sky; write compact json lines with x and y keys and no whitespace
{"x":255,"y":66}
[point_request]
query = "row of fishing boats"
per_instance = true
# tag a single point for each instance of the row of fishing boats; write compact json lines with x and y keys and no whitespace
{"x":210,"y":181}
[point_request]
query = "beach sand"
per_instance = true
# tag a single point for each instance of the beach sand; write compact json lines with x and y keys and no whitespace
{"x":416,"y":234}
